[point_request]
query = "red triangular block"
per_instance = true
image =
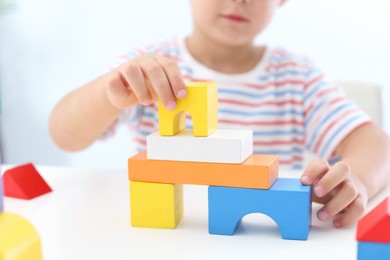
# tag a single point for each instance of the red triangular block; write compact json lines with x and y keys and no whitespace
{"x":1,"y":195}
{"x":24,"y":182}
{"x":375,"y":226}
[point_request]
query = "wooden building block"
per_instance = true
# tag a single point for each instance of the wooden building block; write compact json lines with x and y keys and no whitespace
{"x":287,"y":202}
{"x":373,"y":250}
{"x":24,"y":182}
{"x":258,"y":171}
{"x":201,"y":102}
{"x":156,"y":205}
{"x":375,"y":226}
{"x":19,"y":240}
{"x":222,"y":146}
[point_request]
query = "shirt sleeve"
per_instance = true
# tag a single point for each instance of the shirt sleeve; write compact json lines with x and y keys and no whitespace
{"x":329,"y":116}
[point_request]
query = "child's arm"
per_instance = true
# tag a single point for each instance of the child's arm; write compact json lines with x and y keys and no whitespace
{"x":345,"y":187}
{"x":83,"y":115}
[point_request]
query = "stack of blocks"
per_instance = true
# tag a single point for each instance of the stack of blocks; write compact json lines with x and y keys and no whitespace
{"x":240,"y":182}
{"x":19,"y":240}
{"x":373,"y":233}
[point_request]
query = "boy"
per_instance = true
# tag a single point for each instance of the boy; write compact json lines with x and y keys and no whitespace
{"x":282,"y":97}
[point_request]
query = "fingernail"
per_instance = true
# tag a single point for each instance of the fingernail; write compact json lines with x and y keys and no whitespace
{"x":146,"y":102}
{"x":171,"y":105}
{"x":323,"y":215}
{"x":181,"y":93}
{"x":336,"y":224}
{"x":305,"y":180}
{"x":319,"y":191}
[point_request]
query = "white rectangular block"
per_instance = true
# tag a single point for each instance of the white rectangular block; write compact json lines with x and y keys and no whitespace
{"x":222,"y":146}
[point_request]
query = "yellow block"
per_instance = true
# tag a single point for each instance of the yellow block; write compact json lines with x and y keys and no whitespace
{"x":18,"y":239}
{"x":201,"y":102}
{"x":156,"y":205}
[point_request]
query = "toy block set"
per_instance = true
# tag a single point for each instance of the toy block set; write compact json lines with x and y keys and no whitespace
{"x":239,"y":181}
{"x":19,"y":240}
{"x":373,"y":233}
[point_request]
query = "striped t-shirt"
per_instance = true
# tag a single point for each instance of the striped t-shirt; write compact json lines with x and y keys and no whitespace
{"x":286,"y":100}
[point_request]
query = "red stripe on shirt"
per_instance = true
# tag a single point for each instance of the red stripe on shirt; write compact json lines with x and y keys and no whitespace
{"x":267,"y":103}
{"x":285,"y":142}
{"x":294,"y":159}
{"x":340,"y":118}
{"x":285,"y":64}
{"x":313,"y":81}
{"x":274,"y":84}
{"x":139,"y":140}
{"x":234,"y":122}
{"x":148,"y":124}
{"x":318,"y":119}
{"x":332,"y":102}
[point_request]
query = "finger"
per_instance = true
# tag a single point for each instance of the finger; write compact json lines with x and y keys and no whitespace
{"x":132,"y":74}
{"x":117,"y":86}
{"x":159,"y":81}
{"x":353,"y":213}
{"x":173,"y":74}
{"x":336,"y":175}
{"x":118,"y":93}
{"x":314,"y":171}
{"x":347,"y":193}
{"x":151,"y":89}
{"x":326,"y":198}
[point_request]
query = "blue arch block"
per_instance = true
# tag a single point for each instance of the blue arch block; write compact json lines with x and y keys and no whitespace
{"x":287,"y":202}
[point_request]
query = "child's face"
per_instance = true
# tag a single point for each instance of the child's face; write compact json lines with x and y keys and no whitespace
{"x":232,"y":22}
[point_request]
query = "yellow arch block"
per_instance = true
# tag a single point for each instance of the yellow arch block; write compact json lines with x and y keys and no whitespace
{"x":156,"y":205}
{"x":18,"y":239}
{"x":201,"y":102}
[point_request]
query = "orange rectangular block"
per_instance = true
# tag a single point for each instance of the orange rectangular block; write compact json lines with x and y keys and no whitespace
{"x":258,"y":171}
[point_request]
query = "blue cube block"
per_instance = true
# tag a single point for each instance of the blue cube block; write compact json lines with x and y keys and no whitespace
{"x":287,"y":202}
{"x":373,"y":250}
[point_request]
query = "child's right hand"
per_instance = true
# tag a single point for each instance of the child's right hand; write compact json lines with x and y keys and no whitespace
{"x":145,"y":79}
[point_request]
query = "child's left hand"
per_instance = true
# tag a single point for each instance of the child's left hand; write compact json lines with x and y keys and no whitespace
{"x":343,"y":196}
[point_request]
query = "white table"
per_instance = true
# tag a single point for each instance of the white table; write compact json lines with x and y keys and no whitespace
{"x":87,"y":217}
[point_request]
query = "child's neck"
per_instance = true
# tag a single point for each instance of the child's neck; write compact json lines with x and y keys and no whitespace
{"x":224,"y":58}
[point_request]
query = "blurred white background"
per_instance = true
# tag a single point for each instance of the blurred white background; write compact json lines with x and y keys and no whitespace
{"x":48,"y":48}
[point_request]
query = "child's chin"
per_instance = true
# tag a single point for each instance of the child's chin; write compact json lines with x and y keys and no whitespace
{"x":235,"y":39}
